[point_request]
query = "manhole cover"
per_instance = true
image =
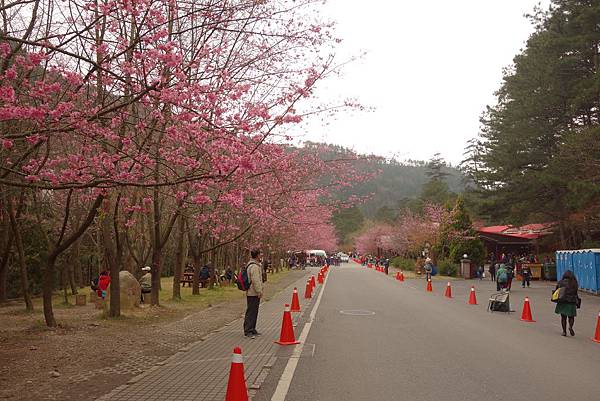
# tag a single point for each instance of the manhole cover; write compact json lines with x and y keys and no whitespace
{"x":357,"y":312}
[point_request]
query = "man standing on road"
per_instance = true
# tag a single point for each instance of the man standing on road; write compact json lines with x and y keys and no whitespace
{"x":254,"y":293}
{"x":428,"y":268}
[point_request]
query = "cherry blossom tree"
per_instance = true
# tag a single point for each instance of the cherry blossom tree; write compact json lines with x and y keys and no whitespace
{"x":139,"y":114}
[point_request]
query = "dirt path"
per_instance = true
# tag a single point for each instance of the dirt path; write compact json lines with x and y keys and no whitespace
{"x":87,"y":357}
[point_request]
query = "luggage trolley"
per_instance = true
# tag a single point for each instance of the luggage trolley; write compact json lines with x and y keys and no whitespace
{"x":499,"y":302}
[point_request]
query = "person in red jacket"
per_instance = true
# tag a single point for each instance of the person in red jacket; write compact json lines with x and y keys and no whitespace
{"x":103,"y":283}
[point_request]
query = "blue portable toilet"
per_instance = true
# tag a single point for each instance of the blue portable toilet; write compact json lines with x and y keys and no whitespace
{"x":584,"y":263}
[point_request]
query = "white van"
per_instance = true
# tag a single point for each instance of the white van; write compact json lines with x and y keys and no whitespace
{"x":317,"y":252}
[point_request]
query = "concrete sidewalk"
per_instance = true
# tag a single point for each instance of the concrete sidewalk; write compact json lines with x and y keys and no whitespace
{"x":200,"y":371}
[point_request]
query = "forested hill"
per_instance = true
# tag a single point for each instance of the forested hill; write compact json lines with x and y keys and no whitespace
{"x":396,"y":183}
{"x":400,"y":181}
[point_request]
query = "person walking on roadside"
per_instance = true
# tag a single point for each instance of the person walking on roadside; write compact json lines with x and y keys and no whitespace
{"x":511,"y":274}
{"x":501,"y":277}
{"x":386,"y":265}
{"x":480,"y":272}
{"x":526,"y":274}
{"x":568,"y":301}
{"x":254,"y":294}
{"x":428,"y":267}
{"x":493,"y":271}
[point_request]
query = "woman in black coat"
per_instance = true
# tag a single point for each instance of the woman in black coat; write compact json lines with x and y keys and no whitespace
{"x":566,"y":306}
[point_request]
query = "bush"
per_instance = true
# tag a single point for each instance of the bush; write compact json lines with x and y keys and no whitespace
{"x":473,"y":247}
{"x":403,"y":263}
{"x":447,"y":268}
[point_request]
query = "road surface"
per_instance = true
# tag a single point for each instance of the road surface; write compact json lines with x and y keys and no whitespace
{"x":374,"y":338}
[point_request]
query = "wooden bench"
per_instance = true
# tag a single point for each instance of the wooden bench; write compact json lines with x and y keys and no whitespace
{"x":188,"y":277}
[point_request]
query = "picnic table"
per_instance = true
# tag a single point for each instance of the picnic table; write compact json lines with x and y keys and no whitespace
{"x":188,"y":277}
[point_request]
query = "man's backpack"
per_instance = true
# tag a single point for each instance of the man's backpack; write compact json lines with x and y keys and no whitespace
{"x":502,"y":276}
{"x":243,"y":280}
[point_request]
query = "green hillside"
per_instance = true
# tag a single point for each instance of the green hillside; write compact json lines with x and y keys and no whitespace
{"x":399,"y":181}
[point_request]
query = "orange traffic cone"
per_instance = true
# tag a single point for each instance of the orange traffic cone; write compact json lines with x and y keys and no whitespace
{"x":472,"y":298}
{"x":429,"y":289}
{"x":308,"y":290}
{"x":398,"y":276}
{"x":597,"y":335}
{"x":236,"y":387}
{"x":370,"y":265}
{"x":448,"y":293}
{"x":401,"y":276}
{"x":295,"y":301}
{"x":526,"y":315}
{"x":287,"y":329}
{"x":320,"y":278}
{"x":312,"y":281}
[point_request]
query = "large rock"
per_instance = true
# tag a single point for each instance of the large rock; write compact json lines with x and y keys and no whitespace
{"x":130,"y":290}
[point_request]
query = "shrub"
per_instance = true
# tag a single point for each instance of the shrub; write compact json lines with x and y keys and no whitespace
{"x":473,"y":247}
{"x":447,"y":268}
{"x":403,"y":263}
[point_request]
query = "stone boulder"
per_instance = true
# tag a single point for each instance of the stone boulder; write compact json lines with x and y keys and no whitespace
{"x":130,"y":291}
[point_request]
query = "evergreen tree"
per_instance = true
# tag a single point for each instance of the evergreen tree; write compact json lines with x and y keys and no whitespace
{"x":538,"y":143}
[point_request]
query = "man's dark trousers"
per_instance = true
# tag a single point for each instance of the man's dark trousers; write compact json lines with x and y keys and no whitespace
{"x":251,"y":315}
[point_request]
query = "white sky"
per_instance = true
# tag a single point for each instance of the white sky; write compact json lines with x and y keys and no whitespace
{"x":431,"y":68}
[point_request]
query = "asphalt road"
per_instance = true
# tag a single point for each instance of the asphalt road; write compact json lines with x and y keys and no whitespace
{"x":413,"y":345}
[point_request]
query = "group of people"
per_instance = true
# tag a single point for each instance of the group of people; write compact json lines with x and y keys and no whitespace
{"x":503,"y":274}
{"x":565,"y":295}
{"x":101,"y":283}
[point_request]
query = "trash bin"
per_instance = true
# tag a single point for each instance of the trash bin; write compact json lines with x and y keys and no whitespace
{"x":550,"y":271}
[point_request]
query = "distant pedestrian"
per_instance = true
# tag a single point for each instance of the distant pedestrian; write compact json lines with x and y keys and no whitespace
{"x":526,"y":275}
{"x":493,"y":271}
{"x":254,"y":294}
{"x":501,"y":277}
{"x":567,"y":303}
{"x":386,"y":265}
{"x":480,"y":271}
{"x":428,"y":267}
{"x":511,"y":274}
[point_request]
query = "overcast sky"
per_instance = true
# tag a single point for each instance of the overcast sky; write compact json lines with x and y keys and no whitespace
{"x":431,"y":68}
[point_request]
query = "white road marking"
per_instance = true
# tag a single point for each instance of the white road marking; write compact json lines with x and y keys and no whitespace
{"x":288,"y":373}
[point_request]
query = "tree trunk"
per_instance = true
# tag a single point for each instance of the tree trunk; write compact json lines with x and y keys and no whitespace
{"x":16,"y":231}
{"x":179,"y":259}
{"x":213,"y":275}
{"x":63,"y":283}
{"x":47,"y":289}
{"x":77,"y":270}
{"x":4,"y":267}
{"x":112,"y":253}
{"x":59,"y":247}
{"x":156,"y":260}
{"x":561,"y":231}
{"x":71,"y":278}
{"x":194,"y":248}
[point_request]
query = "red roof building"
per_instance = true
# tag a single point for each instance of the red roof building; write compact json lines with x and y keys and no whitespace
{"x":509,"y":237}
